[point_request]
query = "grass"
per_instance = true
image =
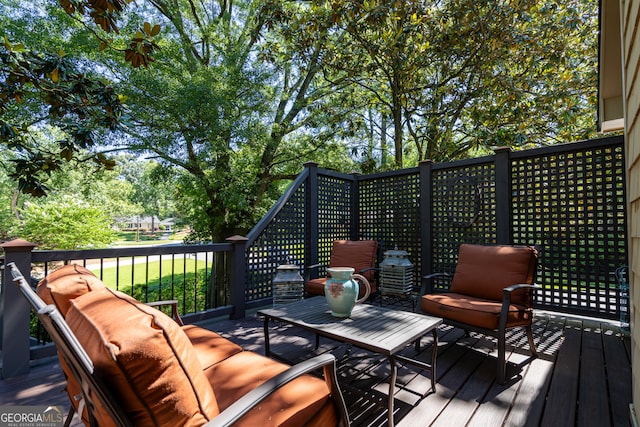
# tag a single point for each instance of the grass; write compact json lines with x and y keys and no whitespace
{"x":131,"y":238}
{"x":183,"y":279}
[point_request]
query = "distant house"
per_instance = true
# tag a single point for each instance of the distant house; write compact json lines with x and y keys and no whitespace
{"x":146,"y":223}
{"x":168,"y":224}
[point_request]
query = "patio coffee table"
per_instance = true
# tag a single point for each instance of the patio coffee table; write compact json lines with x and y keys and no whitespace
{"x":380,"y":330}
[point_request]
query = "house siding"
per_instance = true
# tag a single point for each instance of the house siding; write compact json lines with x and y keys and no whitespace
{"x":630,"y":10}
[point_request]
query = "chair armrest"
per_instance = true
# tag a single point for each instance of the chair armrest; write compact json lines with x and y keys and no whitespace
{"x":506,"y":301}
{"x":312,"y":267}
{"x":307,"y":271}
{"x":432,"y":275}
{"x":364,"y":270}
{"x":174,"y":309}
{"x":423,"y":288}
{"x":506,"y":292}
{"x":253,"y":398}
{"x":518,"y":286}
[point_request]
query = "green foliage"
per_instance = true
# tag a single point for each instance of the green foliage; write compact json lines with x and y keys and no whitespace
{"x":225,"y":125}
{"x":152,"y":187}
{"x":7,"y":217}
{"x":238,"y":95}
{"x":93,"y":186}
{"x":39,"y":89}
{"x":67,"y":223}
{"x":447,"y":79}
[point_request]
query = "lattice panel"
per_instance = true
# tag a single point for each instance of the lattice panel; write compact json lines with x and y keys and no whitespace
{"x":334,"y":215}
{"x":568,"y":200}
{"x":464,"y":202}
{"x":572,"y":204}
{"x":390,"y":214}
{"x":282,"y":242}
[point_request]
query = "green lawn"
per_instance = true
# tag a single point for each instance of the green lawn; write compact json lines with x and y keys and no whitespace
{"x":184,"y":280}
{"x":181,"y":279}
{"x":131,"y":238}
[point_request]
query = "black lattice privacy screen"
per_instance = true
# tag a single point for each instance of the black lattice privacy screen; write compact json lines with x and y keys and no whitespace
{"x":572,"y":204}
{"x":569,"y":200}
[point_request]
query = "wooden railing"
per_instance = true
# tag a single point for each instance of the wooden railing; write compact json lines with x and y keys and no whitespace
{"x":214,"y":287}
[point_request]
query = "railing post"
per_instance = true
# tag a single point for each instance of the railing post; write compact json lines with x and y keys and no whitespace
{"x":311,"y":243}
{"x":354,"y":225}
{"x":425,"y":169}
{"x":502,"y":165}
{"x":238,"y":279}
{"x":14,"y":311}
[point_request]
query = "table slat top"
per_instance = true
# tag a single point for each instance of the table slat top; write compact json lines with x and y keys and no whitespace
{"x":383,"y":330}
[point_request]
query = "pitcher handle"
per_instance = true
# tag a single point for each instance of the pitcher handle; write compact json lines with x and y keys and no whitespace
{"x":366,"y":284}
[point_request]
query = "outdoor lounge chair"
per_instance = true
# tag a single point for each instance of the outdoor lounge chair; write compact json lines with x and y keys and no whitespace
{"x":129,"y":364}
{"x":360,"y":255}
{"x":491,"y":292}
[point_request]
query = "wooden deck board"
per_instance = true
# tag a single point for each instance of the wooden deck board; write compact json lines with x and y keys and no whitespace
{"x":528,"y":405}
{"x":564,"y":380}
{"x":465,"y":402}
{"x":451,"y":375}
{"x":618,"y":364}
{"x":497,"y":402}
{"x":593,"y":409}
{"x":583,"y":369}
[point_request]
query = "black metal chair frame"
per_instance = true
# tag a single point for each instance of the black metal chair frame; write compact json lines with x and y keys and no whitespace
{"x":500,"y":333}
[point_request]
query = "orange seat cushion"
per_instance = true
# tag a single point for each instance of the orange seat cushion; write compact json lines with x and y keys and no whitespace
{"x":65,"y":284}
{"x":302,"y":402}
{"x":71,"y":281}
{"x":145,"y":358}
{"x":357,"y":254}
{"x":210,"y":347}
{"x":484,"y":271}
{"x":473,"y":311}
{"x":315,"y":286}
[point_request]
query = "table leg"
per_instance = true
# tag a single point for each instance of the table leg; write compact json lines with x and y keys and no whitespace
{"x":267,"y":349}
{"x":392,"y":387}
{"x":434,"y":354}
{"x":429,"y":367}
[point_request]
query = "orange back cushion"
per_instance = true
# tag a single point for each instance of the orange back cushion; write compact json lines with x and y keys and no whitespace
{"x":484,"y":271}
{"x":66,"y":284}
{"x":358,"y":254}
{"x":145,"y":358}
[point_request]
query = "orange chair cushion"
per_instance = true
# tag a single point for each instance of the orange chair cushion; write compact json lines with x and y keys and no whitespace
{"x":65,"y":284}
{"x":145,"y":358}
{"x":210,"y":347}
{"x":472,"y":311}
{"x":484,"y":271}
{"x":357,"y":254}
{"x":315,"y":286}
{"x":304,"y":401}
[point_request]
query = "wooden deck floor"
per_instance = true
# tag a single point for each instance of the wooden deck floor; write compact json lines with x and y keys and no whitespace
{"x":583,"y":377}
